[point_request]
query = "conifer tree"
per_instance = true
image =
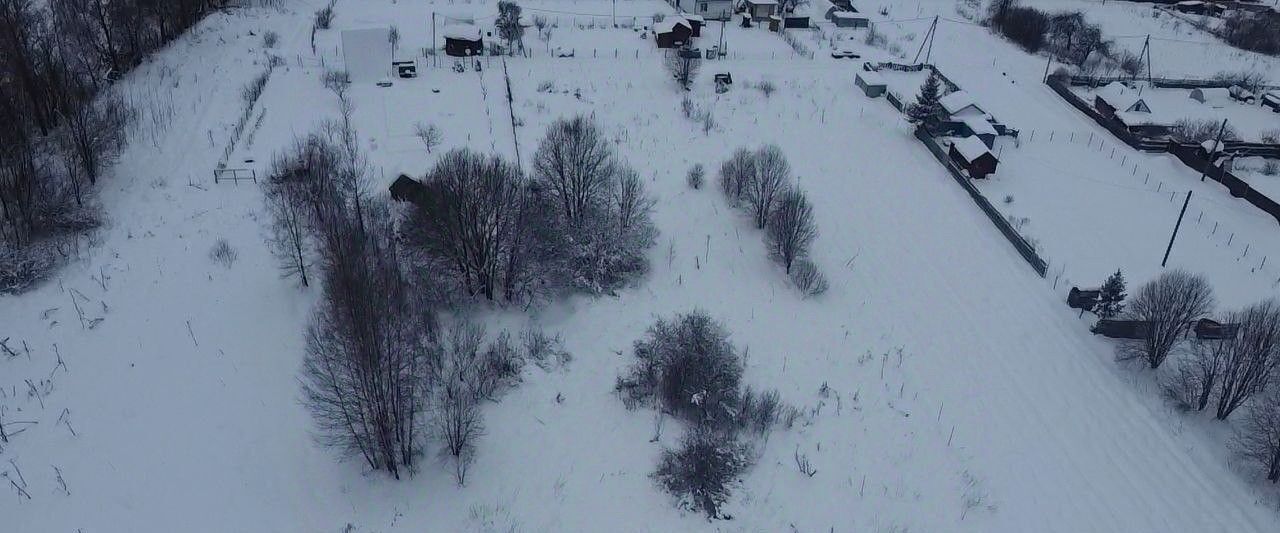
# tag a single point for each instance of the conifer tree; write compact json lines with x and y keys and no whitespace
{"x":1111,"y":298}
{"x":927,"y":108}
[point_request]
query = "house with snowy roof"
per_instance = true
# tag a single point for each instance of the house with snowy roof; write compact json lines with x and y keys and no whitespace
{"x":673,"y":32}
{"x":960,"y":104}
{"x":1129,"y":109}
{"x":973,"y":155}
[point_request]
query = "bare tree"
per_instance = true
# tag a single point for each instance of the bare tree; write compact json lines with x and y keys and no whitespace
{"x":735,"y":173}
{"x":1254,"y":353}
{"x":791,"y":228}
{"x":766,"y":185}
{"x":1199,"y":373}
{"x":467,"y":218}
{"x":365,"y":371}
{"x":429,"y":134}
{"x":578,"y":165}
{"x":1258,"y":438}
{"x":1168,"y":305}
{"x":630,"y":201}
{"x":508,"y":24}
{"x":93,"y":135}
{"x":683,"y":69}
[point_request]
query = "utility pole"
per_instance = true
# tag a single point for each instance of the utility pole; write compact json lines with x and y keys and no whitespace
{"x":928,"y":39}
{"x":1175,"y":230}
{"x":1046,"y":68}
{"x":435,"y":61}
{"x":1213,"y":154}
{"x":615,"y":13}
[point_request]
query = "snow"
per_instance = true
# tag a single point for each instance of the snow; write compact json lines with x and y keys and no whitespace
{"x":669,"y":24}
{"x":971,"y":147}
{"x":959,"y":102}
{"x":1169,"y":105}
{"x":871,"y":77}
{"x":462,"y":32}
{"x":979,"y":125}
{"x":965,"y":395}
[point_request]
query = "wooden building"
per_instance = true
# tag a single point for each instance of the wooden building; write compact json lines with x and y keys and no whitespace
{"x":974,"y":156}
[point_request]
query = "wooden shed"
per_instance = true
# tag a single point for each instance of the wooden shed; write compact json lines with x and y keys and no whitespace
{"x":406,"y":189}
{"x":463,"y":40}
{"x":673,"y":32}
{"x":847,"y":18}
{"x":871,"y":83}
{"x":1085,"y":299}
{"x":974,"y":156}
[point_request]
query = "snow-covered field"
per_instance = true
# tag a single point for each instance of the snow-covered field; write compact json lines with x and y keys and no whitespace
{"x":964,"y":395}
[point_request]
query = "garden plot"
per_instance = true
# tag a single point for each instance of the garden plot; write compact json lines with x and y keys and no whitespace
{"x":1169,"y":105}
{"x":1091,"y":212}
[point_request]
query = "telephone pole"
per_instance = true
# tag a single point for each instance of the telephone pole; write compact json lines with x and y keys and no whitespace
{"x":435,"y":62}
{"x":1176,"y":225}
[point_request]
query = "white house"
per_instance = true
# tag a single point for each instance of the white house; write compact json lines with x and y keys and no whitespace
{"x":709,"y":9}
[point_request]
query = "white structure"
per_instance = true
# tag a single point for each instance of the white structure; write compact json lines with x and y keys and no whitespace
{"x":366,"y":54}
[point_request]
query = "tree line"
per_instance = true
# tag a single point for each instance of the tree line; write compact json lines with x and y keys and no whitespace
{"x":62,"y":129}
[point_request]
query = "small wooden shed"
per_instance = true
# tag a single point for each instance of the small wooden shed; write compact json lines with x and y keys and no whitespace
{"x":847,"y":18}
{"x":463,"y":40}
{"x":974,"y":156}
{"x":871,"y":83}
{"x":673,"y":32}
{"x":406,"y":189}
{"x":1085,"y":299}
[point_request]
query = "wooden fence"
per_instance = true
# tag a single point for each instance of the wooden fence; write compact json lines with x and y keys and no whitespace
{"x":1190,"y":156}
{"x":1024,"y":248}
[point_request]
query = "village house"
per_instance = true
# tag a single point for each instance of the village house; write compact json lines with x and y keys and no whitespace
{"x":708,"y":9}
{"x":973,"y":156}
{"x":760,"y":10}
{"x":847,"y":18}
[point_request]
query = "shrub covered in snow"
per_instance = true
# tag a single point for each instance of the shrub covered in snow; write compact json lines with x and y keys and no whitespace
{"x":701,"y":471}
{"x":688,"y":368}
{"x":696,"y":176}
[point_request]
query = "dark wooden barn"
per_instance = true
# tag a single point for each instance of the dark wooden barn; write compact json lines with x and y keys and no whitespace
{"x":406,"y":189}
{"x":673,"y":33}
{"x":1085,"y":299}
{"x":1208,"y":329}
{"x":463,"y":40}
{"x":973,"y":155}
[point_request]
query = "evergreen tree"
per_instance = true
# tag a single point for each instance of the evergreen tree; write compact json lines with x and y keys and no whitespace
{"x":927,"y":108}
{"x":1111,"y":298}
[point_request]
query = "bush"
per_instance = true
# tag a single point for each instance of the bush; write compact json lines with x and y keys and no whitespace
{"x":695,"y":177}
{"x":1249,"y":79}
{"x":1200,"y":130}
{"x":222,"y":253}
{"x":22,"y":268}
{"x":324,"y":17}
{"x":688,"y":368}
{"x":1025,"y":26}
{"x":544,"y":350}
{"x":270,"y":39}
{"x":791,"y":229}
{"x":808,"y":279}
{"x":766,"y":88}
{"x":735,"y":172}
{"x":1259,"y":32}
{"x":699,"y":473}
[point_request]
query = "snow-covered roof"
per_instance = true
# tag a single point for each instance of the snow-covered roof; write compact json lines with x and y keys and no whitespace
{"x":1139,"y":118}
{"x":1190,"y":3}
{"x":1213,"y":93}
{"x":871,"y":77}
{"x":979,"y":125}
{"x":763,"y":2}
{"x":847,"y":15}
{"x":971,"y":148}
{"x":693,"y":18}
{"x":1119,"y":97}
{"x":462,"y":32}
{"x":1211,"y":146}
{"x":957,"y":101}
{"x":670,"y":24}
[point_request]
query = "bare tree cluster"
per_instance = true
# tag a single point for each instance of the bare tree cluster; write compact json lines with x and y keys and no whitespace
{"x":1167,"y":305}
{"x":1258,"y":439}
{"x":582,"y":222}
{"x":760,"y":182}
{"x":62,"y":126}
{"x":1196,"y":131}
{"x":1232,"y":370}
{"x":509,"y":26}
{"x":681,"y":68}
{"x":1256,"y":31}
{"x":687,"y":368}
